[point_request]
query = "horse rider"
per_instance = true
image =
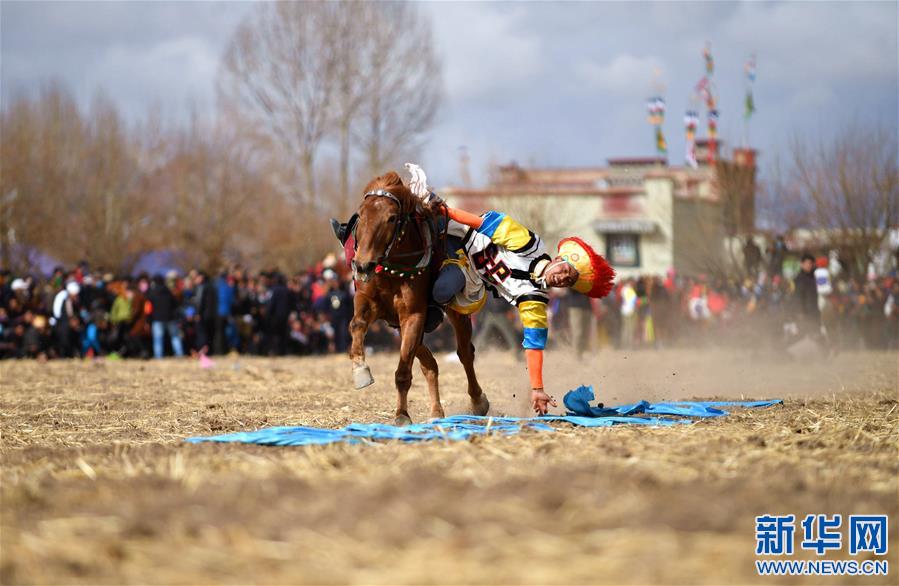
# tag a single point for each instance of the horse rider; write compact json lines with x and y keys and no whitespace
{"x":493,"y":251}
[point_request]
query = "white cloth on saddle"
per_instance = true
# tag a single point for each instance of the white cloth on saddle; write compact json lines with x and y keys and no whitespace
{"x":418,"y":184}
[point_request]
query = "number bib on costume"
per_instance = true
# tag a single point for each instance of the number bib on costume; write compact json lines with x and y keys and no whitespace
{"x":506,"y":272}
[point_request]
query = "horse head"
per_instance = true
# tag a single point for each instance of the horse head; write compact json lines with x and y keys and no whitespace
{"x":382,"y":217}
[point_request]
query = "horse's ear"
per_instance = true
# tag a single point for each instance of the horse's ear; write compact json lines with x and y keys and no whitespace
{"x":391,"y":178}
{"x":385,"y":181}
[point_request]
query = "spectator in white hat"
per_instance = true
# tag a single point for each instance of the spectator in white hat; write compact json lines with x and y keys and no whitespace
{"x":65,"y":319}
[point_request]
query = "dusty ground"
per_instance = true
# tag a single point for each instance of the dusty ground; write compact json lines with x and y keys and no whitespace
{"x":98,"y":487}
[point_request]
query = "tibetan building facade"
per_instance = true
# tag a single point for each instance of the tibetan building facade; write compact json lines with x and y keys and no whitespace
{"x":643,"y":215}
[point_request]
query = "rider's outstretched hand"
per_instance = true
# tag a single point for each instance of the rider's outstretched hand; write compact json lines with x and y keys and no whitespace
{"x":541,"y":402}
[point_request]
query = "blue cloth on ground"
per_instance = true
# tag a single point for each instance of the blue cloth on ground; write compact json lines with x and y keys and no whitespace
{"x":462,"y":427}
{"x":578,"y":403}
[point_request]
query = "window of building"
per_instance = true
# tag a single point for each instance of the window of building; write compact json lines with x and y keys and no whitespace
{"x":623,"y":250}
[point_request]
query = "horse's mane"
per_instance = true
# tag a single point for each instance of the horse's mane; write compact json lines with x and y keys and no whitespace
{"x":392,"y":182}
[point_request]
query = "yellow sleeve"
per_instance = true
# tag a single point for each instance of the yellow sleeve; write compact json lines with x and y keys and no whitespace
{"x":504,"y":231}
{"x":535,"y":324}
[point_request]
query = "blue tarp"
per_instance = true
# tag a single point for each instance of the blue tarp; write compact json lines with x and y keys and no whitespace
{"x":460,"y":427}
{"x":578,"y":403}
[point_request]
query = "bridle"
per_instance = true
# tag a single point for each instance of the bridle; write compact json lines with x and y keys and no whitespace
{"x":386,"y":261}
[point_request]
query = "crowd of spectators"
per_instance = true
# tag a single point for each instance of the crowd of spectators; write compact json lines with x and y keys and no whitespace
{"x":93,"y":313}
{"x":88,"y":313}
{"x":838,"y":313}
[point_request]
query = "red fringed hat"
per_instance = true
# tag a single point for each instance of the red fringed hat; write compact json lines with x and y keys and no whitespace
{"x":596,"y":277}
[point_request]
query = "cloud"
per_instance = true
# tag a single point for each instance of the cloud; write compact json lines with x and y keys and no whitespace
{"x":557,"y":82}
{"x":172,"y":71}
{"x":689,"y":17}
{"x":138,"y":53}
{"x":812,"y":98}
{"x":487,"y":48}
{"x":625,"y":74}
{"x":822,"y":42}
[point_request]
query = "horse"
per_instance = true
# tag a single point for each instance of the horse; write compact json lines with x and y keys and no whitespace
{"x":396,"y":243}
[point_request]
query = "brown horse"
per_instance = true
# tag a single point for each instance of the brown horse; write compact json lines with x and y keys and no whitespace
{"x":395,"y":245}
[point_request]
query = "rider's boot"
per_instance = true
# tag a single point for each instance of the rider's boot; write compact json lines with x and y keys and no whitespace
{"x":340,"y":230}
{"x":344,"y":231}
{"x":434,"y":317}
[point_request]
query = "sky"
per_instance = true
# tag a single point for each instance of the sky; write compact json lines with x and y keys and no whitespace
{"x":543,"y":83}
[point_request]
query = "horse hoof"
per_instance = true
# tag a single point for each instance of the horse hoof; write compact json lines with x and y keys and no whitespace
{"x":481,"y":406}
{"x":362,"y":376}
{"x":402,"y":420}
{"x":437,"y":414}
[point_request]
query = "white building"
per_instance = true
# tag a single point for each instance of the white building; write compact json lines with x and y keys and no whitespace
{"x":644,"y":216}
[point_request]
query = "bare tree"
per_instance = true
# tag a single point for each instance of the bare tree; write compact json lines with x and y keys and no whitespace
{"x":360,"y":76}
{"x":850,"y":189}
{"x":114,"y":222}
{"x":352,"y":84}
{"x":780,"y":206}
{"x":295,"y":78}
{"x":41,"y":138}
{"x":85,"y":185}
{"x":545,"y":216}
{"x":405,"y":83}
{"x":281,"y":70}
{"x":701,"y":245}
{"x":70,"y":183}
{"x":358,"y":73}
{"x":208,"y":187}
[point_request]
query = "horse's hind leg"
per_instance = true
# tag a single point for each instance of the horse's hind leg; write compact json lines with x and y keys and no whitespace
{"x":363,"y":315}
{"x":462,"y":326}
{"x":411,"y":331}
{"x":430,"y":370}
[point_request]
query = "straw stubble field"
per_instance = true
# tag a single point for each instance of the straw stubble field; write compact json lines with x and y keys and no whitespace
{"x":98,"y":486}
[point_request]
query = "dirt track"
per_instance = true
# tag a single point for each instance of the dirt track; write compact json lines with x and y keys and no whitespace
{"x":97,"y":486}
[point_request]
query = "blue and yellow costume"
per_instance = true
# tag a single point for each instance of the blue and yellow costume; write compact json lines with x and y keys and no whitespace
{"x":495,"y":252}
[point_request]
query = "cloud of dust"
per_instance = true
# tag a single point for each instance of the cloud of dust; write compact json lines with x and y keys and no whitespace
{"x":626,"y":376}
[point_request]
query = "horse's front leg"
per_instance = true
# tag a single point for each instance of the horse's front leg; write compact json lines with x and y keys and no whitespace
{"x":465,"y":350}
{"x":430,"y":369}
{"x":363,"y":315}
{"x":411,"y":331}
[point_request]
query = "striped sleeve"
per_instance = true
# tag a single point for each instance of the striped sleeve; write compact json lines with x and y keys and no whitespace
{"x":505,"y":231}
{"x":535,"y":324}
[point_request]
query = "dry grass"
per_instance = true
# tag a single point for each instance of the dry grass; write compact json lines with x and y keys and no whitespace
{"x":97,"y":486}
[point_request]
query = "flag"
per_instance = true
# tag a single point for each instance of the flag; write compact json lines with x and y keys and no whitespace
{"x":709,"y":60}
{"x":691,"y":121}
{"x":661,"y":145}
{"x":749,"y":109}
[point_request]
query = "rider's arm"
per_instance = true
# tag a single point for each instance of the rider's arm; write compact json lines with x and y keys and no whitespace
{"x":463,"y":217}
{"x":534,"y":320}
{"x":535,"y":367}
{"x":499,"y":227}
